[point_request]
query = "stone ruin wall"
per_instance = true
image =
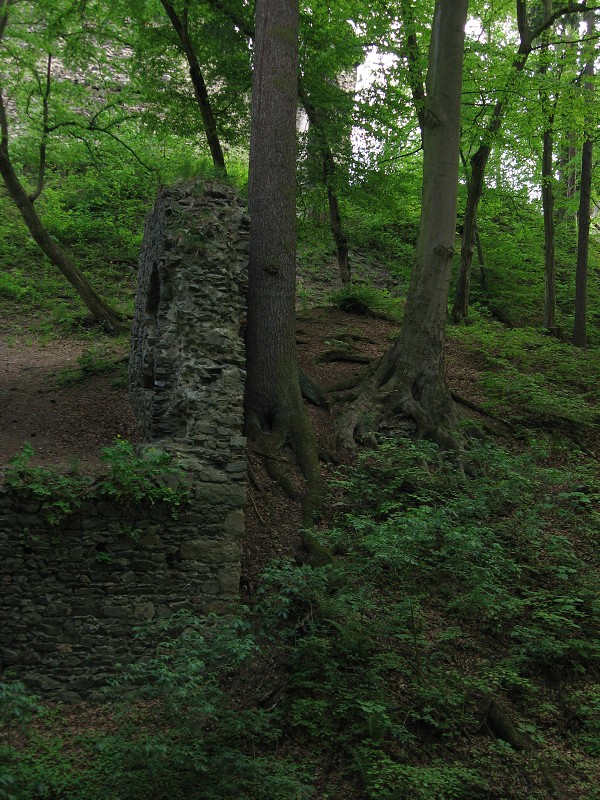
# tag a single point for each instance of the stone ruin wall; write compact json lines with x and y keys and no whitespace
{"x":71,"y":594}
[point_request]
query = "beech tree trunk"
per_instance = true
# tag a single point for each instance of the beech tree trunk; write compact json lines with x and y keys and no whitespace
{"x":409,"y":381}
{"x":584,"y":211}
{"x":274,"y":409}
{"x":200,"y":91}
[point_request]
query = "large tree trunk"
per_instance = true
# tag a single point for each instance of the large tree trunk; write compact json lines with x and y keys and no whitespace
{"x":200,"y":91}
{"x":584,"y":211}
{"x":274,"y":408}
{"x":409,"y":381}
{"x":329,"y":166}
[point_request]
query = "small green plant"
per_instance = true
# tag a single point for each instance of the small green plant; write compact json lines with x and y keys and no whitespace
{"x":17,"y":708}
{"x":390,"y":780}
{"x":93,"y":361}
{"x":208,"y":752}
{"x":105,"y":558}
{"x":58,"y":495}
{"x":151,"y":476}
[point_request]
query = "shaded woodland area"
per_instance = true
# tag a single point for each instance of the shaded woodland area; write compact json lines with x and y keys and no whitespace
{"x":419,"y":613}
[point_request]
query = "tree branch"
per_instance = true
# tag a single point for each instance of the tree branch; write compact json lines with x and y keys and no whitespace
{"x":572,"y":8}
{"x":412,"y":53}
{"x":402,"y":155}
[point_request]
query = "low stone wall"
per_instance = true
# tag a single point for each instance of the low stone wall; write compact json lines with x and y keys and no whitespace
{"x":71,"y":594}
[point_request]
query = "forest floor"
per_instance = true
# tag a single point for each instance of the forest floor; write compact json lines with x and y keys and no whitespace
{"x":68,"y":398}
{"x":69,"y":404}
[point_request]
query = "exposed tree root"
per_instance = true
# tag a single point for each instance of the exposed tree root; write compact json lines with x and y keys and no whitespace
{"x":502,"y":726}
{"x":463,"y":401}
{"x":418,"y":404}
{"x":258,"y":514}
{"x":339,"y":354}
{"x":312,"y":392}
{"x":294,"y":432}
{"x":347,"y":383}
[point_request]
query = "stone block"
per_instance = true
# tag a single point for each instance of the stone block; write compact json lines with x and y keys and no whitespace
{"x":211,"y":551}
{"x":116,"y":612}
{"x":234,"y":523}
{"x":144,"y":610}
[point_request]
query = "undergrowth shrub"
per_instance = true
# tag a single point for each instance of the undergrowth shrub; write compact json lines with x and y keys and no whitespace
{"x":455,"y":589}
{"x":58,"y":494}
{"x":369,"y":301}
{"x":151,"y":476}
{"x":533,"y":378}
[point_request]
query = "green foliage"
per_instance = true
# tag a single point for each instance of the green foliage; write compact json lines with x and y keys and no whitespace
{"x":368,"y":300}
{"x":58,"y":495}
{"x":382,"y":213}
{"x":17,"y":706}
{"x":388,"y":780}
{"x":532,"y":377}
{"x":151,"y":477}
{"x":183,"y":736}
{"x":453,"y":590}
{"x":19,"y":778}
{"x":93,"y":361}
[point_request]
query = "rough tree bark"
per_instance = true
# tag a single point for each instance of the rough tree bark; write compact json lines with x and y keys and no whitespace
{"x":180,"y":26}
{"x":275,"y":414}
{"x":409,"y":380}
{"x":98,"y":307}
{"x":585,"y":202}
{"x":329,"y":166}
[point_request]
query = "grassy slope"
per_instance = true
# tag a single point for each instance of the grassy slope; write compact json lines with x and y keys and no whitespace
{"x":450,"y":652}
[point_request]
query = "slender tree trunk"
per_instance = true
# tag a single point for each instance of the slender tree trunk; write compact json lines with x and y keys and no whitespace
{"x":274,"y":408}
{"x":329,"y":171}
{"x":98,"y":307}
{"x":549,"y":248}
{"x":409,"y":381}
{"x":583,"y":236}
{"x":584,"y":211}
{"x":481,"y":261}
{"x":548,"y":186}
{"x":479,"y":160}
{"x":107,"y":316}
{"x":200,"y":91}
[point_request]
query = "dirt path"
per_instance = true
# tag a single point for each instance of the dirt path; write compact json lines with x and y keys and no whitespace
{"x":64,"y":424}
